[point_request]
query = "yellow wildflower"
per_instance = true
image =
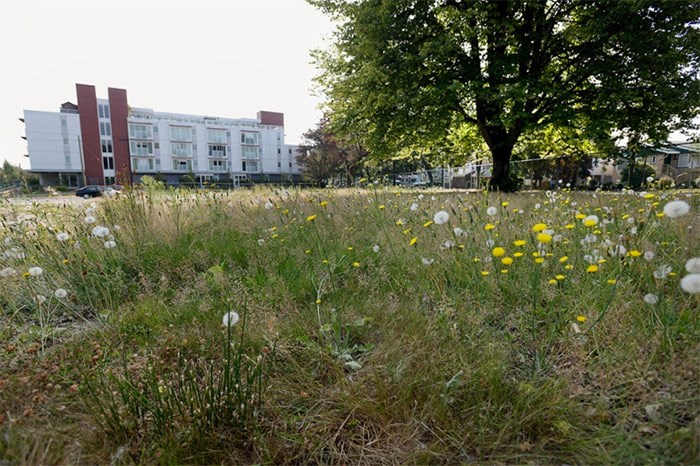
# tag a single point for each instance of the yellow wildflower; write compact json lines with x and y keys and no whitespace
{"x":498,"y":252}
{"x":311,"y":218}
{"x":413,"y":242}
{"x":519,"y":242}
{"x":507,"y":260}
{"x":539,"y":227}
{"x":592,"y":268}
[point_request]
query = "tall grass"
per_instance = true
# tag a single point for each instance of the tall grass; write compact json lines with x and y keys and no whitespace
{"x":408,"y":326}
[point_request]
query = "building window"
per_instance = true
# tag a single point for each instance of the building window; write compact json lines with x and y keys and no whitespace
{"x":106,"y":146}
{"x":141,"y":147}
{"x":279,"y":151}
{"x":63,"y":122}
{"x":65,"y":141}
{"x":103,"y":110}
{"x":156,"y":145}
{"x":140,"y":131}
{"x":216,"y":136}
{"x":250,"y":166}
{"x":279,"y":164}
{"x":252,"y":139}
{"x":217,"y":151}
{"x":108,"y":163}
{"x":217,"y":165}
{"x":290,"y":164}
{"x":142,"y":165}
{"x":290,"y":151}
{"x":180,"y":149}
{"x":182,"y":165}
{"x":180,"y":133}
{"x":653,"y":160}
{"x":105,"y":128}
{"x":248,"y":152}
{"x":109,"y":180}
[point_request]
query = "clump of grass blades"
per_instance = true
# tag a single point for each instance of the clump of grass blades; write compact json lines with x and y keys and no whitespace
{"x":189,"y":413}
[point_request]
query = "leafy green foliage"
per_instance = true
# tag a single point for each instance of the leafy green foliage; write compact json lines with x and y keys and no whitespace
{"x":406,"y":73}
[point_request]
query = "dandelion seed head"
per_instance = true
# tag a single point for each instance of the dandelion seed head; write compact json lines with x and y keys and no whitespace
{"x":693,"y":265}
{"x":36,"y":271}
{"x":441,"y":217}
{"x":62,"y":236}
{"x":7,"y":272}
{"x":651,"y":298}
{"x":269,"y":205}
{"x":691,"y":283}
{"x":230,"y":319}
{"x":60,"y":293}
{"x":110,"y":244}
{"x":491,"y":211}
{"x":375,"y":248}
{"x":100,"y":232}
{"x":90,"y":219}
{"x":675,"y":209}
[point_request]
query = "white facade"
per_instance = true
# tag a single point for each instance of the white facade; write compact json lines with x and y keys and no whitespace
{"x":53,"y":141}
{"x":210,"y":147}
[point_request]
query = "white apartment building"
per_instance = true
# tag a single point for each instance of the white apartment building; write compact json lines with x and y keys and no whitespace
{"x":105,"y":141}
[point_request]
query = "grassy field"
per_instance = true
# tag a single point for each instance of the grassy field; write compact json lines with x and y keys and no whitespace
{"x":363,"y":326}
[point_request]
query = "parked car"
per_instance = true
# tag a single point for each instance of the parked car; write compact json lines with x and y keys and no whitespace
{"x":96,"y":191}
{"x":412,"y":181}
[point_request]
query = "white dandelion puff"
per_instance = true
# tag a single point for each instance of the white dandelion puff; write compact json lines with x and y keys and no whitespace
{"x":691,"y":283}
{"x":375,"y":248}
{"x":662,"y":272}
{"x":491,"y":211}
{"x":110,"y":244}
{"x":414,"y":206}
{"x":693,"y":265}
{"x":36,"y":271}
{"x":675,"y":209}
{"x":427,"y":261}
{"x":441,"y":217}
{"x":648,"y":255}
{"x":100,"y":232}
{"x":651,"y":298}
{"x":230,"y":319}
{"x":269,"y":205}
{"x":90,"y":219}
{"x":7,"y":272}
{"x":60,"y":293}
{"x":62,"y":236}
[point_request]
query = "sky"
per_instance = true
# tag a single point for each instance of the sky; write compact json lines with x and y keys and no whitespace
{"x":225,"y":58}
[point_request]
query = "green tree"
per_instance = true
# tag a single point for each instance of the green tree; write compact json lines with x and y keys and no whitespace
{"x":403,"y":73}
{"x":323,"y":155}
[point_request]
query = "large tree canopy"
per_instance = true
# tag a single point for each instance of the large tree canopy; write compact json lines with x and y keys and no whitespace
{"x":403,"y":73}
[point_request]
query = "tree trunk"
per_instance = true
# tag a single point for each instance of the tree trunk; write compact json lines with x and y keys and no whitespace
{"x":501,"y":179}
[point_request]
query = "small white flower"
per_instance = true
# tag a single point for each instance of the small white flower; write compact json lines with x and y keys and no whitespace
{"x":375,"y":248}
{"x":60,"y":293}
{"x":441,"y":217}
{"x":492,"y":211}
{"x":420,"y":196}
{"x":675,"y":209}
{"x":414,"y":206}
{"x":230,"y":319}
{"x":490,"y":243}
{"x":427,"y":261}
{"x":433,"y":198}
{"x":538,"y":205}
{"x":100,"y":232}
{"x":648,"y":255}
{"x":39,"y":299}
{"x":617,"y":250}
{"x":458,"y":231}
{"x":261,"y":242}
{"x":116,"y":228}
{"x":630,"y":220}
{"x":110,"y":244}
{"x":693,"y":265}
{"x":62,"y":236}
{"x":269,"y":205}
{"x":36,"y":271}
{"x":650,"y":298}
{"x":650,"y":179}
{"x":691,"y":283}
{"x":90,"y":219}
{"x":7,"y":272}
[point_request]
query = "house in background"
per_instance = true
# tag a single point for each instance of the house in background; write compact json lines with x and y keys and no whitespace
{"x":106,"y":141}
{"x":680,"y":162}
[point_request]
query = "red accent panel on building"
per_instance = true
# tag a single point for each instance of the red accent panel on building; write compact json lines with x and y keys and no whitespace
{"x":271,"y":118}
{"x":119,"y":111}
{"x":90,"y":133}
